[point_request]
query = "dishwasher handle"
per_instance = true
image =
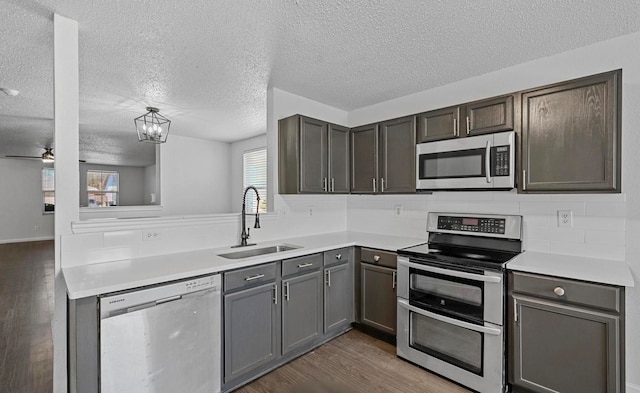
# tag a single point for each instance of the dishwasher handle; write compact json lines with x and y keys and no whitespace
{"x":161,"y":301}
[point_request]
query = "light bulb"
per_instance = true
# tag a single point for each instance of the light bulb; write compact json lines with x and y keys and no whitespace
{"x":144,"y":126}
{"x":159,"y":130}
{"x":155,"y":127}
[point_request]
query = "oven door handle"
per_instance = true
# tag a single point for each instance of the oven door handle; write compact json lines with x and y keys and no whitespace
{"x":452,"y":321}
{"x":453,"y":273}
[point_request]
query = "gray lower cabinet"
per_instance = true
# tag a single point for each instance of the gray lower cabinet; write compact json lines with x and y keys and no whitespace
{"x":566,"y":335}
{"x":301,"y":310}
{"x":571,"y":136}
{"x":250,"y":330}
{"x":378,"y":297}
{"x":338,"y":297}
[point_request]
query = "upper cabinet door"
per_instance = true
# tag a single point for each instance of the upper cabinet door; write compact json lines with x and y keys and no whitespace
{"x":364,"y":159}
{"x":338,"y":159}
{"x":571,"y":136}
{"x":313,"y":156}
{"x":397,"y":156}
{"x":439,"y":124}
{"x":487,"y":116}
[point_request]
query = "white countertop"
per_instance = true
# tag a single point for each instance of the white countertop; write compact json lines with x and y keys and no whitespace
{"x":603,"y":271}
{"x":99,"y":278}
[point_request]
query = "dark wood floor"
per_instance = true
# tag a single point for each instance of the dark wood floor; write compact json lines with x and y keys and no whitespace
{"x":352,"y":363}
{"x":26,"y":312}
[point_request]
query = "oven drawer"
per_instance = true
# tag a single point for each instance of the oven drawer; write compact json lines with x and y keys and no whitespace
{"x":378,"y":257}
{"x":567,"y":291}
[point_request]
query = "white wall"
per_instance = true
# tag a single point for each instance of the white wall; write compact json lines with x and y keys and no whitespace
{"x":195,"y":176}
{"x":237,"y":150}
{"x":131,"y":183}
{"x":21,"y":202}
{"x":605,"y":226}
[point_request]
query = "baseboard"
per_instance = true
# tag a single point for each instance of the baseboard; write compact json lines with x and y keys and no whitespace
{"x":633,"y":388}
{"x":33,"y":239}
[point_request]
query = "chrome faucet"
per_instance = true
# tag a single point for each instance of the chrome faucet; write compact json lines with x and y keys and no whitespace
{"x":245,"y":231}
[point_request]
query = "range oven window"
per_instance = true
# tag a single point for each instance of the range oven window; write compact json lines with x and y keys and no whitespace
{"x":452,"y":344}
{"x":452,"y":164}
{"x":452,"y":296}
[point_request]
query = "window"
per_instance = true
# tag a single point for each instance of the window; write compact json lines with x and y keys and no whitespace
{"x":255,"y":174}
{"x":48,"y":190}
{"x":102,"y":188}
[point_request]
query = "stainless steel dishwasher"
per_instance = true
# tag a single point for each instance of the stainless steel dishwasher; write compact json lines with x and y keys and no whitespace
{"x":162,"y":339}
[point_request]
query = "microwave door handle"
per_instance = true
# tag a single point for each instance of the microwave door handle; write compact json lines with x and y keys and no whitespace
{"x":487,"y":161}
{"x":452,"y":273}
{"x":456,"y":322}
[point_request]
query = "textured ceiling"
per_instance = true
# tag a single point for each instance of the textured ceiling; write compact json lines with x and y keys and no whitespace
{"x":207,"y":64}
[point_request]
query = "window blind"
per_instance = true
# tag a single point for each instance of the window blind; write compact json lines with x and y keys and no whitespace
{"x":255,"y":174}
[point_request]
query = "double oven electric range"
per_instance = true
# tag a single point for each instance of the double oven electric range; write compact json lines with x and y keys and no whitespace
{"x":451,"y":298}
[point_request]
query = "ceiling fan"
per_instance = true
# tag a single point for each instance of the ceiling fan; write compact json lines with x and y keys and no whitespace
{"x":47,"y":156}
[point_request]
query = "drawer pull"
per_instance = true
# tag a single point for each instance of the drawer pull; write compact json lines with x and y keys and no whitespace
{"x":251,"y":278}
{"x":303,"y":265}
{"x":338,"y":256}
{"x":376,"y":258}
{"x":559,"y":291}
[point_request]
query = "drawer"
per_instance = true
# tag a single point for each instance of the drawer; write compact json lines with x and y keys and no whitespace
{"x":577,"y":292}
{"x":340,"y":255}
{"x":378,"y":257}
{"x":249,"y":276}
{"x":301,"y":264}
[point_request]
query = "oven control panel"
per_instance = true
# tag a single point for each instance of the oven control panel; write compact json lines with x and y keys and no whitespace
{"x":472,"y":224}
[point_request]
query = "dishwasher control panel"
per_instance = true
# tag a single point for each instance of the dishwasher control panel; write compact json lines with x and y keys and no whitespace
{"x":140,"y":298}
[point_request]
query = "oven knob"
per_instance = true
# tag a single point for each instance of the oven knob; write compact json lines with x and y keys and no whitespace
{"x":559,"y":291}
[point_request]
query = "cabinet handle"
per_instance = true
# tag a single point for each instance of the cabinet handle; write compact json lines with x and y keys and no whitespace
{"x":382,"y":184}
{"x":468,"y":125}
{"x":275,"y":294}
{"x":328,"y":278}
{"x":303,"y":265}
{"x":558,"y":291}
{"x":455,"y":127}
{"x":395,"y":280}
{"x":324,"y":184}
{"x":286,"y":291}
{"x":376,"y":258}
{"x":487,"y":161}
{"x":374,"y":185}
{"x":338,"y":256}
{"x":524,"y":179}
{"x":251,"y":278}
{"x":515,"y":311}
{"x":333,"y":185}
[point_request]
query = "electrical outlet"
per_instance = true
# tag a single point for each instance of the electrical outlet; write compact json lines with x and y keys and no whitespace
{"x":36,"y":228}
{"x":397,"y":209}
{"x":311,"y":210}
{"x":151,"y":234}
{"x":565,"y":218}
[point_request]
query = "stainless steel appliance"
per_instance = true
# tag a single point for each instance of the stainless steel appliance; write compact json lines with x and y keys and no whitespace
{"x":162,"y":339}
{"x":451,"y":297}
{"x":470,"y":163}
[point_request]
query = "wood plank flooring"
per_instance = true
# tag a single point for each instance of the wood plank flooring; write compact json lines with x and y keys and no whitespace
{"x":26,"y":312}
{"x":352,"y":363}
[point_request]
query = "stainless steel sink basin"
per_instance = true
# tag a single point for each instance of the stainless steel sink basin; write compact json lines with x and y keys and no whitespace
{"x":258,"y":251}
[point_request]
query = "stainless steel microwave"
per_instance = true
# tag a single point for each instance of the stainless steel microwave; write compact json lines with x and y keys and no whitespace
{"x":483,"y":162}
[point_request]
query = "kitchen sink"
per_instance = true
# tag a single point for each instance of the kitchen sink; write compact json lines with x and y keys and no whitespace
{"x":259,"y":251}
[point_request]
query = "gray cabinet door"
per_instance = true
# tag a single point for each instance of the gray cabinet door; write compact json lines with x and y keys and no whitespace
{"x":571,"y":136}
{"x":562,"y":348}
{"x":338,"y":297}
{"x":364,"y":159}
{"x":301,"y":310}
{"x":397,"y":155}
{"x":338,"y":159}
{"x":438,"y":124}
{"x":250,"y":330}
{"x":487,"y":116}
{"x":313,"y":155}
{"x":378,"y":297}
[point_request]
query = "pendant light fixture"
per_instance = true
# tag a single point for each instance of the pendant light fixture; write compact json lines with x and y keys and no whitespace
{"x":152,"y":126}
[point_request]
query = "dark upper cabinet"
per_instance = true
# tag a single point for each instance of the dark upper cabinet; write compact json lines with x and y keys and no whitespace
{"x":438,"y":124}
{"x":383,"y":157}
{"x":474,"y":118}
{"x":571,"y":136}
{"x":364,"y":159}
{"x":313,"y":156}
